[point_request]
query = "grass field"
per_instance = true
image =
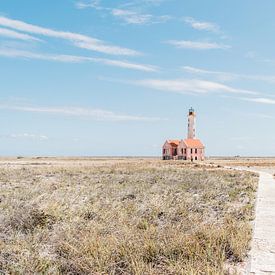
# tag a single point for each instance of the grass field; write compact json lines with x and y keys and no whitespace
{"x":123,"y":216}
{"x":242,"y":161}
{"x":252,"y":163}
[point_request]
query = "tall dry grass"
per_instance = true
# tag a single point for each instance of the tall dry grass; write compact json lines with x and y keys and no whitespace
{"x":123,"y":217}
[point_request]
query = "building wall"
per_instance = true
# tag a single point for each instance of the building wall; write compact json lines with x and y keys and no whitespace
{"x":190,"y":153}
{"x":168,"y":151}
{"x":182,"y":152}
{"x":195,"y":154}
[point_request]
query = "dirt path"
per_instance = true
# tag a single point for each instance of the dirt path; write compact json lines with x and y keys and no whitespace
{"x":262,"y":255}
{"x":263,"y":244}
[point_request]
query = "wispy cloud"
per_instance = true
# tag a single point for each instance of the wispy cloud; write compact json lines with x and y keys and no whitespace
{"x":86,"y":113}
{"x":202,"y":25}
{"x":261,"y":100}
{"x":192,"y":86}
{"x":128,"y":15}
{"x":25,"y":136}
{"x":89,"y":4}
{"x":128,"y":65}
{"x":17,"y":35}
{"x":96,"y":4}
{"x":143,"y":3}
{"x":196,"y":45}
{"x":227,"y":76}
{"x":132,"y":17}
{"x":221,"y":76}
{"x":77,"y":59}
{"x":195,"y":70}
{"x":79,"y":40}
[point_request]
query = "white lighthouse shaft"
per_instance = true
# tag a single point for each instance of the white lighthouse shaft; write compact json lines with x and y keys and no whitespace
{"x":191,"y":124}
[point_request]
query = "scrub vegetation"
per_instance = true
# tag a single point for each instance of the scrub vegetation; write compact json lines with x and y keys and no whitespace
{"x":123,"y":216}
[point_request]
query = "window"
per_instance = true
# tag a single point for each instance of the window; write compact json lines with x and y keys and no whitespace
{"x":196,"y":151}
{"x":182,"y":150}
{"x":191,"y":151}
{"x":185,"y":151}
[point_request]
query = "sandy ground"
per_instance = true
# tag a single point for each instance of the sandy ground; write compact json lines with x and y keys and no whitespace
{"x":269,"y":170}
{"x":254,"y":163}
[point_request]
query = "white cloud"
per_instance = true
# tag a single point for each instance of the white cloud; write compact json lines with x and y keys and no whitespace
{"x":199,"y":71}
{"x":129,"y":16}
{"x":90,"y":4}
{"x":77,"y":59}
{"x":17,"y":35}
{"x":132,"y":17}
{"x":143,"y":3}
{"x":186,"y":44}
{"x":226,"y":76}
{"x":221,"y":76}
{"x":79,"y":40}
{"x":88,"y":113}
{"x":96,"y":4}
{"x":128,"y":65}
{"x":261,"y":100}
{"x":193,"y":86}
{"x":200,"y":25}
{"x":25,"y":136}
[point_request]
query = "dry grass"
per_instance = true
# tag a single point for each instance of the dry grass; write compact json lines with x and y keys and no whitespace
{"x":124,"y":216}
{"x":242,"y":161}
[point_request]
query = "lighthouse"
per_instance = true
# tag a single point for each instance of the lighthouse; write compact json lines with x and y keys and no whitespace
{"x":191,"y":124}
{"x":191,"y":148}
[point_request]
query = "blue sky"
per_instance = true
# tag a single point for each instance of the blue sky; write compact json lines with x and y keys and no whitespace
{"x":91,"y":77}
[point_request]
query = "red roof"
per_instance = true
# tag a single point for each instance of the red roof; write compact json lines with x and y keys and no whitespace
{"x":193,"y":143}
{"x":174,"y":143}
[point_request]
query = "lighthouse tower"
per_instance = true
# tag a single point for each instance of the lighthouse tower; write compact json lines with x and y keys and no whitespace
{"x":191,"y":124}
{"x":191,"y":148}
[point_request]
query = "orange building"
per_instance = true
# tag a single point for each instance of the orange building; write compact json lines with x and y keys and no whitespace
{"x":185,"y":149}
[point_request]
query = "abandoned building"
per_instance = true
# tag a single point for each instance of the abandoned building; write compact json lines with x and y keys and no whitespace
{"x":185,"y":149}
